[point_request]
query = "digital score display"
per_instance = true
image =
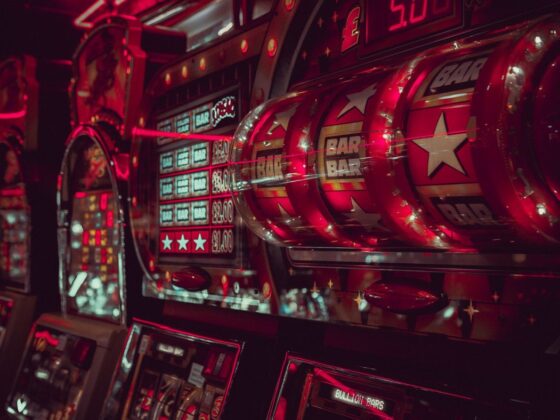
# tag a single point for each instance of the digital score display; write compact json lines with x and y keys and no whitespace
{"x":394,"y":22}
{"x":195,"y":209}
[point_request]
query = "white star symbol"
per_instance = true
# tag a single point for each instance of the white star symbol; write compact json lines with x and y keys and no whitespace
{"x":182,"y":242}
{"x":441,"y":147}
{"x":358,"y":100}
{"x":282,"y":119}
{"x":367,"y":220}
{"x":199,"y":242}
{"x":167,"y":242}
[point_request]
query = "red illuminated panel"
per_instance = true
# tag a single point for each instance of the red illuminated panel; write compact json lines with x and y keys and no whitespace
{"x":394,"y":22}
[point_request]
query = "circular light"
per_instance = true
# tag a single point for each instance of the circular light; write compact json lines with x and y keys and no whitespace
{"x":141,"y":122}
{"x":202,"y":64}
{"x":167,"y":78}
{"x":184,"y":72}
{"x":289,"y":4}
{"x":266,"y":290}
{"x":244,"y":46}
{"x":272,"y":47}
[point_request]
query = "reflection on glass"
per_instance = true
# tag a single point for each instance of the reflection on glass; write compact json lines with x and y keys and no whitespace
{"x":208,"y":23}
{"x":93,"y":279}
{"x":93,"y":284}
{"x":14,"y":220}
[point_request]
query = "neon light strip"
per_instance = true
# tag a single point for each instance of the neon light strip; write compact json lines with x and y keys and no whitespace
{"x":13,"y":115}
{"x":80,"y":21}
{"x":142,"y":132}
{"x":45,"y":335}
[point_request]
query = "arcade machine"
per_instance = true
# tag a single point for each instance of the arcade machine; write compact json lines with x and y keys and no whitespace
{"x":406,"y":161}
{"x":27,"y":205}
{"x":71,"y":356}
{"x":188,"y":236}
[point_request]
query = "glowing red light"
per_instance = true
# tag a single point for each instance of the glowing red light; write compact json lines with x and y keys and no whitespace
{"x":272,"y":47}
{"x":103,"y":201}
{"x":202,"y":64}
{"x":110,"y":219}
{"x":45,"y":335}
{"x":244,"y":46}
{"x":289,"y":4}
{"x":141,"y":132}
{"x":13,"y":115}
{"x":167,"y":79}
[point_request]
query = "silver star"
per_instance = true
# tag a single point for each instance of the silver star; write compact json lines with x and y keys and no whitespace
{"x":441,"y":147}
{"x":358,"y":100}
{"x":182,"y":242}
{"x":199,"y":242}
{"x":282,"y":119}
{"x":167,"y":242}
{"x":367,"y":220}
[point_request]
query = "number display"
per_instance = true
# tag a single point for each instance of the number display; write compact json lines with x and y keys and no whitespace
{"x":222,"y":241}
{"x":413,"y":12}
{"x":410,"y":19}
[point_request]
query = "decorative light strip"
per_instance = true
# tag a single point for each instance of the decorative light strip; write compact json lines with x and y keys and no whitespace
{"x":142,"y":132}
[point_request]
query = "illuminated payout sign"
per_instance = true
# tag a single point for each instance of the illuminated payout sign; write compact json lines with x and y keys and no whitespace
{"x":196,"y":212}
{"x":358,"y":400}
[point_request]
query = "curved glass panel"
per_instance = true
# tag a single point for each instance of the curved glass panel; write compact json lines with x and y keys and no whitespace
{"x":92,"y":242}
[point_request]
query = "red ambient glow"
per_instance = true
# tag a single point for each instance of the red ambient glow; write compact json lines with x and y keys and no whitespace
{"x":272,"y":47}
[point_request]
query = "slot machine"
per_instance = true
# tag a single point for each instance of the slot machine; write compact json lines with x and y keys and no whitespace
{"x":27,"y":205}
{"x":70,"y":356}
{"x":398,"y":161}
{"x":194,"y":251}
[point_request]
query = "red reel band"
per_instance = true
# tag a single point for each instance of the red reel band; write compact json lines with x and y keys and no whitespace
{"x":344,"y":211}
{"x":326,"y":149}
{"x":502,"y":113}
{"x":385,"y":176}
{"x":259,"y":175}
{"x":435,"y":155}
{"x":512,"y":156}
